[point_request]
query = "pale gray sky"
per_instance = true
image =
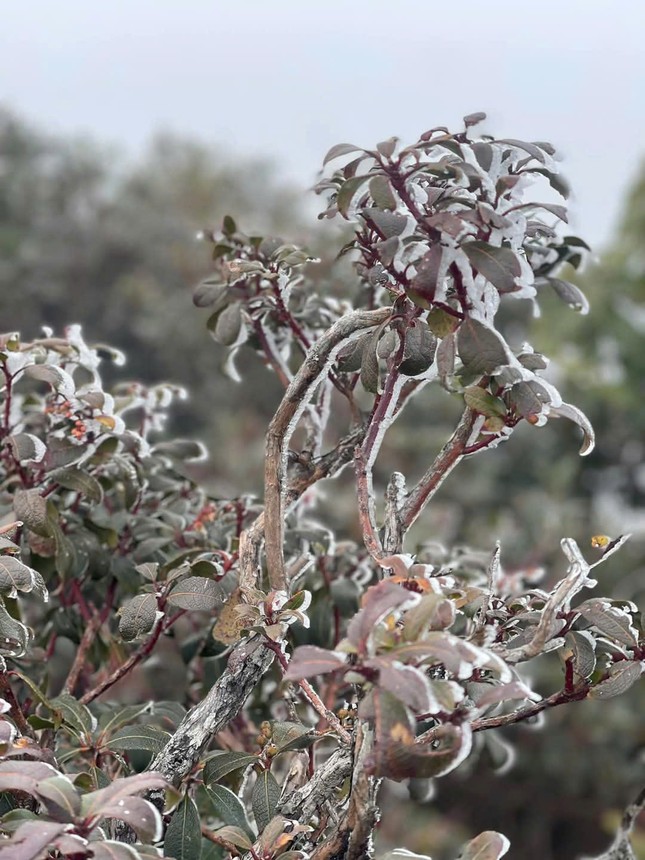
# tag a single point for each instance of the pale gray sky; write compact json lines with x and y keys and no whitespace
{"x":285,"y":79}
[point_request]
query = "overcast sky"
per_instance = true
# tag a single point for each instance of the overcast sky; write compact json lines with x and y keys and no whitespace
{"x":286,"y":79}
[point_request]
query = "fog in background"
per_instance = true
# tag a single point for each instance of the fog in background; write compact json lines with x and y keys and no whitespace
{"x":287,"y":79}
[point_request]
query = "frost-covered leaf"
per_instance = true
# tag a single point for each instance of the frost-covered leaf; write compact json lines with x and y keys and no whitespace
{"x":611,"y":620}
{"x":583,"y":651}
{"x":348,"y":192}
{"x":58,"y":378}
{"x":489,"y":845}
{"x":566,"y":410}
{"x":621,"y":677}
{"x":378,"y":601}
{"x":197,"y":593}
{"x":15,"y":576}
{"x":310,"y":660}
{"x":138,"y":616}
{"x":26,"y":447}
{"x":30,"y":507}
{"x":419,"y":350}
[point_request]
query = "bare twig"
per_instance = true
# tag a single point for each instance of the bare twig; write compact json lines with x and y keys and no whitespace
{"x":559,"y":698}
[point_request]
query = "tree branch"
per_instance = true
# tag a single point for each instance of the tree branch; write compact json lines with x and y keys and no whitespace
{"x":309,"y":376}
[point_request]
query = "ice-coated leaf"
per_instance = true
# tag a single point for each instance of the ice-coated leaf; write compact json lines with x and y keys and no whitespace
{"x":14,"y":635}
{"x":349,"y":358}
{"x":26,"y":447}
{"x":120,"y":789}
{"x":228,"y":807}
{"x":340,"y":149}
{"x":181,"y":449}
{"x":60,"y":797}
{"x":378,"y":601}
{"x":138,"y":616}
{"x":58,"y":378}
{"x":208,"y":293}
{"x":612,"y":547}
{"x":183,"y":839}
{"x":16,"y":576}
{"x":409,"y":685}
{"x":474,"y":118}
{"x":566,"y":410}
{"x":266,"y":793}
{"x":489,"y":845}
{"x":500,"y":266}
{"x":148,"y":738}
{"x":139,"y":814}
{"x":583,"y":648}
{"x":483,"y":402}
{"x":310,"y":660}
{"x":221,"y":763}
{"x":32,"y":840}
{"x":481,"y":348}
{"x":570,"y":294}
{"x":610,"y":620}
{"x":621,"y":677}
{"x":30,"y":507}
{"x":197,"y":592}
{"x":80,"y":481}
{"x":149,"y":569}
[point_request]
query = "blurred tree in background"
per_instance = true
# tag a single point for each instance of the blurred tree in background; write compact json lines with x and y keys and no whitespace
{"x":87,"y":239}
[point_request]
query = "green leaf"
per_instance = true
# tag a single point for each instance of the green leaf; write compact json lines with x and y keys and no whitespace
{"x":229,"y":325}
{"x":60,"y":797}
{"x":381,"y":192}
{"x":266,"y":793}
{"x":483,"y":402}
{"x":419,"y":350}
{"x":236,"y":836}
{"x":228,"y":807}
{"x":80,"y":481}
{"x":348,"y":191}
{"x":148,"y":738}
{"x":137,"y":617}
{"x":197,"y":592}
{"x":30,"y":507}
{"x":183,"y":839}
{"x":500,"y":266}
{"x":481,"y":348}
{"x":221,"y":763}
{"x":74,"y":713}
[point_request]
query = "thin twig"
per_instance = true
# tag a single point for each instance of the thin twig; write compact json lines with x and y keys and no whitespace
{"x":559,"y":698}
{"x":85,"y":644}
{"x":451,"y":453}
